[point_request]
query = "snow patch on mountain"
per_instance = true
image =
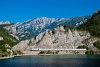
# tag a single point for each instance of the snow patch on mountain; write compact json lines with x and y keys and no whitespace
{"x":4,"y":22}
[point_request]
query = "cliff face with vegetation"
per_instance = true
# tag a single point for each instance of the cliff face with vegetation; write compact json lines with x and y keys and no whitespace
{"x":33,"y":27}
{"x":6,"y":41}
{"x":87,"y":35}
{"x":93,"y":26}
{"x":61,"y":37}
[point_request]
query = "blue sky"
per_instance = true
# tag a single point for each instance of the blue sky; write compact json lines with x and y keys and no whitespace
{"x":22,"y":10}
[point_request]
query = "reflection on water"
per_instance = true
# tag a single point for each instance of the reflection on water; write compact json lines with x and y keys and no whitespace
{"x":53,"y":61}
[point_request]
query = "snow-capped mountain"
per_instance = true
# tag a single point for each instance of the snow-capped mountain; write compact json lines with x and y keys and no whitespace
{"x":32,"y":27}
{"x":4,"y":22}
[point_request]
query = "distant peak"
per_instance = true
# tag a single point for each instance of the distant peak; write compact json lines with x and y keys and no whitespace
{"x":4,"y":22}
{"x":97,"y":11}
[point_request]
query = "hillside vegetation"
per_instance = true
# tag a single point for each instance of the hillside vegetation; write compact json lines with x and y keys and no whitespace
{"x":8,"y":41}
{"x":92,"y":25}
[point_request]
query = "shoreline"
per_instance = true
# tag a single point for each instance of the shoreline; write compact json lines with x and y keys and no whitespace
{"x":1,"y":58}
{"x":6,"y":57}
{"x":36,"y":53}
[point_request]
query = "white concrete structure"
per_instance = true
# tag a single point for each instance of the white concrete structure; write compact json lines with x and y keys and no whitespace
{"x":54,"y":49}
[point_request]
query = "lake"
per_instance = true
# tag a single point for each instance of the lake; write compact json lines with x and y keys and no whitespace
{"x":71,"y":60}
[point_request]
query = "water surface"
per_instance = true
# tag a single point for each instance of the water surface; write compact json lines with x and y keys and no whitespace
{"x":53,"y":61}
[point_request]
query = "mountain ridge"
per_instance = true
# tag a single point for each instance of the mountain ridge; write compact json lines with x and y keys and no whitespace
{"x":52,"y":33}
{"x":66,"y":37}
{"x":33,"y":27}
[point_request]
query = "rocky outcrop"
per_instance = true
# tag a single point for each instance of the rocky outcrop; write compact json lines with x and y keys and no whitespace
{"x":14,"y":36}
{"x":58,"y":38}
{"x":21,"y":46}
{"x":1,"y":38}
{"x":61,"y":37}
{"x":11,"y":29}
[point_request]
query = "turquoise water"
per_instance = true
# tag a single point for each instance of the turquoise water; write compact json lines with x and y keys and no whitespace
{"x":52,"y":61}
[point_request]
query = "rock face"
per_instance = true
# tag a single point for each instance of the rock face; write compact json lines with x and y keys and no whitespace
{"x":31,"y":28}
{"x":21,"y":46}
{"x":58,"y":38}
{"x":1,"y":38}
{"x":61,"y":37}
{"x":11,"y":29}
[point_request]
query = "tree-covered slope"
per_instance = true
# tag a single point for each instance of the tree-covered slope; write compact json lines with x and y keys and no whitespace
{"x":92,"y":25}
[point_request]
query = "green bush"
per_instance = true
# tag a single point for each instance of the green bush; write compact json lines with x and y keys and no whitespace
{"x":48,"y":52}
{"x":70,"y":27}
{"x":82,"y":47}
{"x":90,"y":52}
{"x":42,"y":52}
{"x":17,"y":52}
{"x":4,"y":54}
{"x":97,"y":44}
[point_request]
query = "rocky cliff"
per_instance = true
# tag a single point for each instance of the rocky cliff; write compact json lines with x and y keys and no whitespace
{"x":33,"y":27}
{"x":60,"y":37}
{"x":87,"y":35}
{"x":21,"y":46}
